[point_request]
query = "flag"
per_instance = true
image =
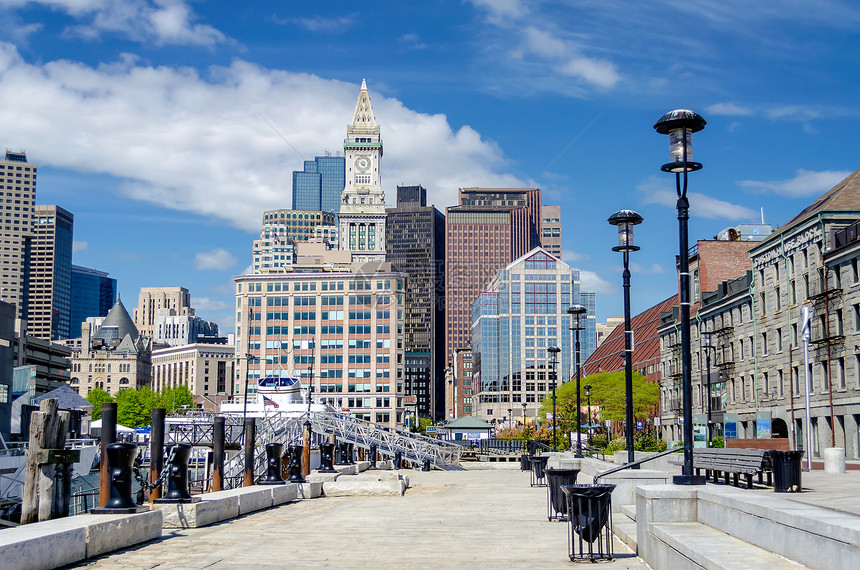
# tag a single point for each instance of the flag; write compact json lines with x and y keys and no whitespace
{"x":269,"y":402}
{"x":277,"y":238}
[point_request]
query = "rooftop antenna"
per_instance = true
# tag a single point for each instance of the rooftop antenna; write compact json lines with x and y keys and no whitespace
{"x":762,"y":215}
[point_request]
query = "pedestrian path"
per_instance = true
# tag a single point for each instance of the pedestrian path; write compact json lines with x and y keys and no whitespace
{"x":447,"y":519}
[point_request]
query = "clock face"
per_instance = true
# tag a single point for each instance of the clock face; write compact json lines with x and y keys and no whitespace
{"x":362,"y":163}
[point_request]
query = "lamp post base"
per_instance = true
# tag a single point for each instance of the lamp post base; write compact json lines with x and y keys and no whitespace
{"x":689,"y":480}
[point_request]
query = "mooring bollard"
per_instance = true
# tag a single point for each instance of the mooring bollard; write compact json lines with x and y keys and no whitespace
{"x":398,"y":459}
{"x":120,"y":501}
{"x":326,"y":458}
{"x":350,"y":454}
{"x":426,"y":465}
{"x":342,"y":450}
{"x":373,"y":455}
{"x":295,"y":453}
{"x":178,"y":456}
{"x":274,"y":453}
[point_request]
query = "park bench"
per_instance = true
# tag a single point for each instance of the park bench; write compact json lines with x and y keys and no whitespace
{"x":737,"y":462}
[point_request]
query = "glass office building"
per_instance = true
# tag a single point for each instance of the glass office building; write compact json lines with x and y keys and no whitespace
{"x":320,"y":185}
{"x":523,"y":312}
{"x":50,"y":278}
{"x":93,"y":295}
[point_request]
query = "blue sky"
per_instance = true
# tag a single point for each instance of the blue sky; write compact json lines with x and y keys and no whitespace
{"x":168,"y":126}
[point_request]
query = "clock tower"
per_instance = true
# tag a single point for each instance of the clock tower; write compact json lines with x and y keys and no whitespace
{"x":362,"y":210}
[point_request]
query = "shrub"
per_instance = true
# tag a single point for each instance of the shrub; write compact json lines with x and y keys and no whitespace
{"x":648,"y":443}
{"x":718,"y":442}
{"x":617,"y":444}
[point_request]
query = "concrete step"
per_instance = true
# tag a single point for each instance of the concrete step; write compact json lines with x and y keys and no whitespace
{"x":630,"y":511}
{"x":624,"y":529}
{"x":695,"y":545}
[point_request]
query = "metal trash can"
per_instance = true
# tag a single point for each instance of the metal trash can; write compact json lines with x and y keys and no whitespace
{"x":556,"y":500}
{"x":786,"y":471}
{"x":525,"y":464}
{"x":538,"y":463}
{"x":589,"y":509}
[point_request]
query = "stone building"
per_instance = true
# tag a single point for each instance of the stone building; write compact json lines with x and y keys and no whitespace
{"x":755,"y":327}
{"x":205,"y":369}
{"x":112,"y":356}
{"x":152,"y":299}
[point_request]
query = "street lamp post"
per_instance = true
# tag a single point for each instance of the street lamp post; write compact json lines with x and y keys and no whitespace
{"x":706,"y":344}
{"x":524,"y":416}
{"x":625,"y":220}
{"x":680,"y":125}
{"x":806,"y":333}
{"x":577,"y":313}
{"x":553,"y":351}
{"x":588,"y":400}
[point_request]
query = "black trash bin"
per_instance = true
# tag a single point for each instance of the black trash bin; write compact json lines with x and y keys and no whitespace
{"x":786,"y":471}
{"x":525,"y":464}
{"x":556,"y":500}
{"x":589,"y":509}
{"x":538,"y":463}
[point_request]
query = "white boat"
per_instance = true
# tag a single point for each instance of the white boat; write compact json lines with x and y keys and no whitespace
{"x":274,"y":395}
{"x":13,"y":464}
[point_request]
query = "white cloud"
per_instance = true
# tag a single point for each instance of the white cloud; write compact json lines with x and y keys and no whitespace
{"x":320,"y":24}
{"x":79,"y":245}
{"x":655,"y":268}
{"x":804,"y":183}
{"x":502,"y":11}
{"x":218,"y":258}
{"x":192,"y":143}
{"x":570,"y":257}
{"x":656,"y":192}
{"x":592,"y":282}
{"x":731,"y":109}
{"x":160,"y":21}
{"x":207,"y":304}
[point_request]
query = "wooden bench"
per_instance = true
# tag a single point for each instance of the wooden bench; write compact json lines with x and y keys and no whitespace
{"x":737,"y":462}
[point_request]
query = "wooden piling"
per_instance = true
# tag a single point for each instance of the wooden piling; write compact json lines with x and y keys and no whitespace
{"x":250,"y":437}
{"x":108,"y":437}
{"x":47,"y":481}
{"x":156,"y":451}
{"x":218,"y":454}
{"x":306,"y":449}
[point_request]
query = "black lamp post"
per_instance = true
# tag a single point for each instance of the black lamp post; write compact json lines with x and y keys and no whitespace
{"x":553,"y":352}
{"x":588,"y":399}
{"x":577,"y":313}
{"x":524,"y":416}
{"x":680,"y":125}
{"x":706,"y":344}
{"x":625,"y":220}
{"x":310,"y":389}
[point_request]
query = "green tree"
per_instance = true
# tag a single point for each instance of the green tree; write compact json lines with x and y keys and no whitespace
{"x":608,"y":394}
{"x":132,"y":410}
{"x":173,"y":399}
{"x":97,"y":397}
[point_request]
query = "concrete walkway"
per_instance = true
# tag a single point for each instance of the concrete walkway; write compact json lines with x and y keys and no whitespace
{"x":457,"y":519}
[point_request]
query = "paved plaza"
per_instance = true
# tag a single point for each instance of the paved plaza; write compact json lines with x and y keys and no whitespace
{"x":447,"y":519}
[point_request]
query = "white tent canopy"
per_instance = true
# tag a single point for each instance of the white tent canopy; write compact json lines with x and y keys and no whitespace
{"x":119,"y":427}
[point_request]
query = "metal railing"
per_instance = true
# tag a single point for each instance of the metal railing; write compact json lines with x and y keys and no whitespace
{"x":637,"y":462}
{"x":280,"y":428}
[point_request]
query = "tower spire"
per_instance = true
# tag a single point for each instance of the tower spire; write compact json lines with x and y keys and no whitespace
{"x":363,"y":117}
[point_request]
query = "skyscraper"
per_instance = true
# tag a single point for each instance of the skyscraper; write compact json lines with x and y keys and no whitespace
{"x":415,"y":237}
{"x":50,"y":278}
{"x":362,"y":209}
{"x":319,"y":186}
{"x":282,"y":229}
{"x":522,"y":313}
{"x":490,"y":228}
{"x":93,"y":295}
{"x":152,"y":299}
{"x":18,"y":184}
{"x":550,"y":229}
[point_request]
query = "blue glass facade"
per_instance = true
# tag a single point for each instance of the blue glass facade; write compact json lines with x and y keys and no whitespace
{"x":521,"y":314}
{"x":320,"y":185}
{"x":93,"y":295}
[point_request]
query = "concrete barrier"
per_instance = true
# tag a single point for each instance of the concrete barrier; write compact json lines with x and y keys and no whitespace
{"x":224,"y":505}
{"x":834,"y":460}
{"x":310,"y":490}
{"x":55,"y":543}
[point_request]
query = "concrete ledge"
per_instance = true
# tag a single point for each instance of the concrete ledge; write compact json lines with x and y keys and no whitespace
{"x":694,"y":545}
{"x":321,"y":477}
{"x":282,"y":494}
{"x":362,"y":466}
{"x":51,"y":544}
{"x":310,"y":490}
{"x":112,"y":532}
{"x":346,"y":469}
{"x":46,"y":544}
{"x":205,"y":512}
{"x":370,"y":483}
{"x":816,"y":537}
{"x":385,"y":465}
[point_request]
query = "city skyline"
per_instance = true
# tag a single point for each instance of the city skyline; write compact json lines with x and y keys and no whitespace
{"x":174,"y":130}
